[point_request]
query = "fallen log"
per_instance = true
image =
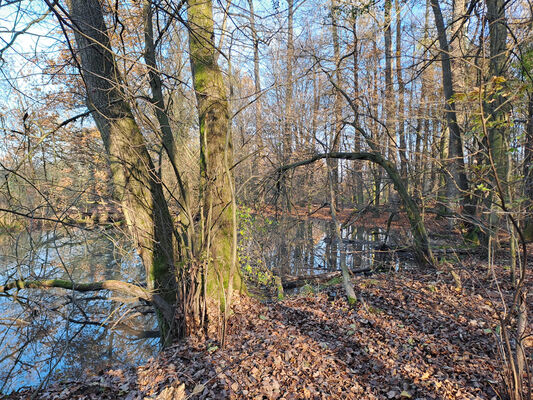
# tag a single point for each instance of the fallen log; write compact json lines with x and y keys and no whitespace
{"x":295,"y":281}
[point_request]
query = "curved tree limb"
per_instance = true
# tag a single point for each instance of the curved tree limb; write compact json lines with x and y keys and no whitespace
{"x":421,"y":242}
{"x":112,"y":285}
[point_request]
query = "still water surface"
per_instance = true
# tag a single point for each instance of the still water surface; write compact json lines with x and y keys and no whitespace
{"x":67,"y":333}
{"x":46,"y":335}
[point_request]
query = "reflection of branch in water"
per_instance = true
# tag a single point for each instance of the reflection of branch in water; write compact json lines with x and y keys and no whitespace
{"x":19,"y":352}
{"x":52,"y":368}
{"x":113,"y":285}
{"x":120,"y":326}
{"x":27,"y":351}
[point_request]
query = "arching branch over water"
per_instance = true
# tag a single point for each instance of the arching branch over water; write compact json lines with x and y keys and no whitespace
{"x":418,"y":230}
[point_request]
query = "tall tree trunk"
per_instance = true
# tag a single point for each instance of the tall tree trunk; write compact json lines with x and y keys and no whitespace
{"x":388,"y":78}
{"x":257,"y":80}
{"x":337,"y":107}
{"x":528,"y":171}
{"x":359,"y":198}
{"x":337,"y":241}
{"x":401,"y":96}
{"x":498,"y":108}
{"x":169,"y":141}
{"x":288,"y":128}
{"x":498,"y":133}
{"x":216,"y":155}
{"x":457,"y":183}
{"x":458,"y":65}
{"x":136,"y":184}
{"x":377,"y":172}
{"x":155,"y":83}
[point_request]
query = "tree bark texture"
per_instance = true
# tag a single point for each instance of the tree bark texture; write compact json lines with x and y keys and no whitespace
{"x":216,"y":152}
{"x":136,"y":184}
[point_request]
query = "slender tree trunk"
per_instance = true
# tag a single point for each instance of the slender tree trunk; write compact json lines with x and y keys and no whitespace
{"x":257,"y":80}
{"x":528,"y":171}
{"x":458,"y":65}
{"x":388,"y":78}
{"x":169,"y":141}
{"x":337,"y":241}
{"x":337,"y":107}
{"x":357,"y":138}
{"x":378,"y":173}
{"x":457,"y":183}
{"x":288,"y":128}
{"x":401,"y":96}
{"x":498,"y":109}
{"x":135,"y":180}
{"x":155,"y":83}
{"x":498,"y":133}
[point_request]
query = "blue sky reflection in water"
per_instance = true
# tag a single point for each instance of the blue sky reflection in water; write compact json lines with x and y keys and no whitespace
{"x":81,"y":333}
{"x":71,"y":333}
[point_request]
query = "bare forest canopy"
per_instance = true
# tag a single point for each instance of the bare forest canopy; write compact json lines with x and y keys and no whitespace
{"x":190,"y":128}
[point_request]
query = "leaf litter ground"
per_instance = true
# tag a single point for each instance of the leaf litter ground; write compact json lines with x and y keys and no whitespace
{"x":411,"y":335}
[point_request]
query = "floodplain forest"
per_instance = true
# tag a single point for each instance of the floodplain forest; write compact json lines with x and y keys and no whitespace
{"x":266,"y":199}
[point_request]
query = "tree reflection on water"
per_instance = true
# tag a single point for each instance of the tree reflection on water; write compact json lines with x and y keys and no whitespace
{"x":289,"y":246}
{"x":53,"y":334}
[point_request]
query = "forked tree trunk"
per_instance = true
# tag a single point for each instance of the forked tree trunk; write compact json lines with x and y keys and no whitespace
{"x":135,"y":181}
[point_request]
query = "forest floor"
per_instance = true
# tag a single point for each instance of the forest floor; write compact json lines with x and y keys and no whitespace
{"x":411,"y":335}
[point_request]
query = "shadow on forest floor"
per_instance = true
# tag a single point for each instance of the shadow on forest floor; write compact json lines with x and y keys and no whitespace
{"x":410,"y":335}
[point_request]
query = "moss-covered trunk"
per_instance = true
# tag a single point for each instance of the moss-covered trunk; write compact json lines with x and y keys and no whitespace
{"x":216,"y":154}
{"x":136,"y":186}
